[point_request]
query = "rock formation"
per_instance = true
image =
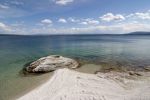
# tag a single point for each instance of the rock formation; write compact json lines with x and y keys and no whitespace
{"x":51,"y":63}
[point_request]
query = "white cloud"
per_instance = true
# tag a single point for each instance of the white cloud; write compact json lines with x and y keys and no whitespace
{"x":89,"y":25}
{"x":111,"y":17}
{"x":4,"y":28}
{"x":63,"y":2}
{"x":2,"y":25}
{"x":92,"y":21}
{"x":4,"y":6}
{"x":84,"y":23}
{"x":123,"y":28}
{"x":89,"y":21}
{"x":144,"y":15}
{"x":62,"y":20}
{"x":99,"y":29}
{"x":132,"y":27}
{"x":73,"y":20}
{"x":95,"y":22}
{"x":46,"y":21}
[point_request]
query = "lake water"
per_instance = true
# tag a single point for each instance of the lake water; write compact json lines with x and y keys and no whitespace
{"x":16,"y":51}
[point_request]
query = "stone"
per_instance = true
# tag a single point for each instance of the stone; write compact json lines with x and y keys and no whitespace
{"x":134,"y":73}
{"x":147,"y":68}
{"x":51,"y":63}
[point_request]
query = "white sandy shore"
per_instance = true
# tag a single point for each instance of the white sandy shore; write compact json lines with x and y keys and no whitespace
{"x":71,"y":85}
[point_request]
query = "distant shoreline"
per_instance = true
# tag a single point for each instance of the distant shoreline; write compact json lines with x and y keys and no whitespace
{"x":63,"y":34}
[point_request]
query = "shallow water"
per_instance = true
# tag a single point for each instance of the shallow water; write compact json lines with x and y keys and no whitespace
{"x":16,"y":51}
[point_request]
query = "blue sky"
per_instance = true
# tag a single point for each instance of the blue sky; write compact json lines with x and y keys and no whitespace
{"x":74,"y":16}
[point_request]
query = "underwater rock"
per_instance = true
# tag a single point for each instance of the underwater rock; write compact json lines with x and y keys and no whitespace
{"x":51,"y":63}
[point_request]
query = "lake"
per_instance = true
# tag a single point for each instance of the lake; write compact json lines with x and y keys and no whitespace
{"x":132,"y":51}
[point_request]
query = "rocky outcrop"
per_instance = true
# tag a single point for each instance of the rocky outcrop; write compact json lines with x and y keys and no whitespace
{"x":51,"y":63}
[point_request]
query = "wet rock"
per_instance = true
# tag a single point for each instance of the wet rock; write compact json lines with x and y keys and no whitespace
{"x":132,"y":73}
{"x":51,"y":63}
{"x":147,"y":68}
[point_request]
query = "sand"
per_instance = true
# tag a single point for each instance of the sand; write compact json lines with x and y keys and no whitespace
{"x":67,"y":84}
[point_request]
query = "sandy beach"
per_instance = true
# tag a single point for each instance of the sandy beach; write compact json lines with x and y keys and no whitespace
{"x":67,"y":84}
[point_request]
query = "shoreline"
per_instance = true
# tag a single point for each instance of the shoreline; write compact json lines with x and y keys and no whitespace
{"x":45,"y":77}
{"x":86,"y":68}
{"x":67,"y":84}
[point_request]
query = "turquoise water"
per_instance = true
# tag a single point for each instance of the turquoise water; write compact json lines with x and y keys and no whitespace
{"x":16,"y":51}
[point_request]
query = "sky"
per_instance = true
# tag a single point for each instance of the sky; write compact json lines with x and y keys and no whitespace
{"x":31,"y":17}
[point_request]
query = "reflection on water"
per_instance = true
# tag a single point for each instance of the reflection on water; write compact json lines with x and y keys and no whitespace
{"x":15,"y":51}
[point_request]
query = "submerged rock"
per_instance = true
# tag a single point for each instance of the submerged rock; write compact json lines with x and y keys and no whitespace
{"x":51,"y":63}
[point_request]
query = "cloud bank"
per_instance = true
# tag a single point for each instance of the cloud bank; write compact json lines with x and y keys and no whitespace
{"x":108,"y":23}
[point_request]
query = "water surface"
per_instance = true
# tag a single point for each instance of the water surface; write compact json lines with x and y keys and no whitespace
{"x":16,"y":51}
